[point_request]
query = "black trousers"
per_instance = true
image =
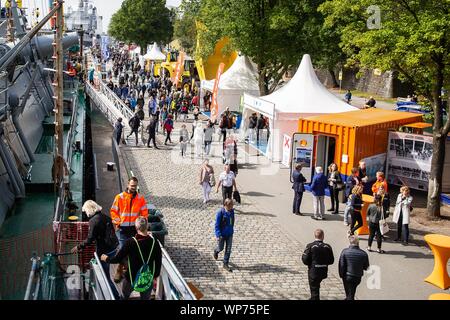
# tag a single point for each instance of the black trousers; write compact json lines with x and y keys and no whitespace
{"x":314,"y":286}
{"x":298,"y":196}
{"x":150,"y":138}
{"x":374,"y":229}
{"x":227,"y":193}
{"x":168,"y":137}
{"x":135,"y":131}
{"x":356,"y":218}
{"x":350,"y":285}
{"x":401,"y":226}
{"x":334,"y":195}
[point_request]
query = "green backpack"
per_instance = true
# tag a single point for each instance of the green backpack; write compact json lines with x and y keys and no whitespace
{"x":144,"y":278}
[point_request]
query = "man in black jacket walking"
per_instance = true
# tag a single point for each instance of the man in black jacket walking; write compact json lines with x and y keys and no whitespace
{"x":299,"y":188}
{"x":352,"y":264}
{"x":317,"y":256}
{"x":151,"y":129}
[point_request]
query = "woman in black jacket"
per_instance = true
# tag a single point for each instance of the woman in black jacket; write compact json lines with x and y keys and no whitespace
{"x":356,"y":205}
{"x":334,"y":185}
{"x":374,"y":215}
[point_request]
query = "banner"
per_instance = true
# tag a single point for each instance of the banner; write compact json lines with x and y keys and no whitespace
{"x":286,"y":150}
{"x":214,"y":105}
{"x":374,"y":164}
{"x":409,"y":160}
{"x":105,"y":47}
{"x":179,"y":69}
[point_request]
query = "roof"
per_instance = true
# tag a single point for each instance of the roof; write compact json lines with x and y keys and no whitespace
{"x":305,"y":94}
{"x":155,"y":53}
{"x":365,"y":117}
{"x":242,"y":75}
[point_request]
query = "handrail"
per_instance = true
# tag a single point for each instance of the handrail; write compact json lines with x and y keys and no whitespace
{"x":102,"y":287}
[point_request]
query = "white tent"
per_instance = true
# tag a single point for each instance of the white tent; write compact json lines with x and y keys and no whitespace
{"x":240,"y":78}
{"x":303,"y":96}
{"x":155,"y":54}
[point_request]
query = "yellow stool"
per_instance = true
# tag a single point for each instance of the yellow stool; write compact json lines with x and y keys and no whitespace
{"x":440,"y":245}
{"x":439,"y":296}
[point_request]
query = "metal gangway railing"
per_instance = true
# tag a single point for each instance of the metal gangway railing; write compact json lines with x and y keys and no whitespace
{"x":108,"y":102}
{"x":170,"y":285}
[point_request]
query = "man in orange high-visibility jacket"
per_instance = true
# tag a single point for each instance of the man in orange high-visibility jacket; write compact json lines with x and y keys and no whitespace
{"x":127,"y":207}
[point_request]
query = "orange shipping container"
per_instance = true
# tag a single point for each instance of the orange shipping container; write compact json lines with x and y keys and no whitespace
{"x":346,"y":138}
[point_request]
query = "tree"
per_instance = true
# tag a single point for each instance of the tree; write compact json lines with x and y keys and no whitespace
{"x":267,"y":31}
{"x":142,"y":22}
{"x":184,"y":26}
{"x":413,"y":38}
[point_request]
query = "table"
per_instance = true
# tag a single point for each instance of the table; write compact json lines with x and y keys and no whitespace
{"x":440,"y":245}
{"x":367,"y":200}
{"x":439,"y":296}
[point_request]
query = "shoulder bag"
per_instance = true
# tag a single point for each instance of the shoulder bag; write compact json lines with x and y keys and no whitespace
{"x":384,"y":227}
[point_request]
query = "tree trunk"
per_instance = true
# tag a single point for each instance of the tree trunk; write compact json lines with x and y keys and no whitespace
{"x":435,"y":183}
{"x":437,"y":161}
{"x":262,"y":81}
{"x":333,"y":78}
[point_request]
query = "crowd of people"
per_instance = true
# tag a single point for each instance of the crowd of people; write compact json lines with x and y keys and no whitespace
{"x":378,"y":210}
{"x":167,"y":104}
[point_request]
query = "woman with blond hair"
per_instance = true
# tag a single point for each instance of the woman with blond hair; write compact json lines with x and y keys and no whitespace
{"x":101,"y":232}
{"x":356,"y":204}
{"x":402,"y":213}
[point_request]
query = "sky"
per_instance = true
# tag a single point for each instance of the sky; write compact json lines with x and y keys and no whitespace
{"x":105,"y":8}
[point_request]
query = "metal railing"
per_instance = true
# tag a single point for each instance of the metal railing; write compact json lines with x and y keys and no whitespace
{"x":170,"y":285}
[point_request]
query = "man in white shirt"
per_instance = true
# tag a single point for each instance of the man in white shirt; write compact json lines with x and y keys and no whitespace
{"x":227,"y":181}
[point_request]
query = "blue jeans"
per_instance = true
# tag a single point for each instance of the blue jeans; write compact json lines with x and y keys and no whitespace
{"x":228,"y":242}
{"x":123,"y":235}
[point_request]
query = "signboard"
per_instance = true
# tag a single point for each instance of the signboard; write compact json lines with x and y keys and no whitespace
{"x":214,"y":105}
{"x":302,"y":153}
{"x":259,"y":105}
{"x":105,"y":47}
{"x":409,"y":160}
{"x":179,"y":69}
{"x":377,"y":72}
{"x":340,"y":75}
{"x":374,"y":164}
{"x":287,"y":141}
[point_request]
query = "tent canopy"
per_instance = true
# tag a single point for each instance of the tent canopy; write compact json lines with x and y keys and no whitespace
{"x":242,"y":75}
{"x":155,"y":54}
{"x":304,"y":94}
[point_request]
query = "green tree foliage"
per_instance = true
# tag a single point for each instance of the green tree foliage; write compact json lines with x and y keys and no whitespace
{"x":273,"y":33}
{"x":267,"y":31}
{"x":184,"y":26}
{"x":142,"y":22}
{"x":413,"y":38}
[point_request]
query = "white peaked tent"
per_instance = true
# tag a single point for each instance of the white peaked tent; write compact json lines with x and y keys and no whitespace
{"x":155,"y":54}
{"x":303,"y":96}
{"x":240,"y":78}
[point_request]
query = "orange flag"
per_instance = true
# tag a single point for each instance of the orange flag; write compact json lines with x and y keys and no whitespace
{"x":214,"y":105}
{"x":179,"y":68}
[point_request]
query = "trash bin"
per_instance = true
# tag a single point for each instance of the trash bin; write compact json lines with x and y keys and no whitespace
{"x":157,"y":227}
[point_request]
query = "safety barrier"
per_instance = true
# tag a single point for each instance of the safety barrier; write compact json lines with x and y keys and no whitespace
{"x":15,"y":254}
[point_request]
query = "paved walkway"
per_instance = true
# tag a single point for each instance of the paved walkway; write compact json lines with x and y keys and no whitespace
{"x":265,"y":259}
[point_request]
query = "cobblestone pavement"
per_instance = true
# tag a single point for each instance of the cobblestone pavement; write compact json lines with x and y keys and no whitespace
{"x":266,"y":262}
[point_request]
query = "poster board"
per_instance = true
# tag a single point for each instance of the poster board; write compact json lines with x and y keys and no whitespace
{"x":302,"y":151}
{"x":409,"y":160}
{"x":374,"y":164}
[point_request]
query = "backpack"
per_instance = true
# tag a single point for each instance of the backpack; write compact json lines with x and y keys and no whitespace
{"x":111,"y":240}
{"x":144,"y":277}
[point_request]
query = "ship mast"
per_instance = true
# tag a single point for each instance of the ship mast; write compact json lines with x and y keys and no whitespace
{"x":58,"y":97}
